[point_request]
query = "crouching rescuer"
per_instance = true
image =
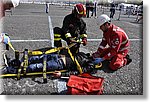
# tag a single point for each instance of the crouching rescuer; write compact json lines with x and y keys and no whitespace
{"x":118,"y":42}
{"x":73,"y":29}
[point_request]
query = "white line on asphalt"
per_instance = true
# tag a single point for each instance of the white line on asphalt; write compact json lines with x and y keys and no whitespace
{"x":101,"y":39}
{"x":48,"y":40}
{"x":38,"y":40}
{"x":51,"y":32}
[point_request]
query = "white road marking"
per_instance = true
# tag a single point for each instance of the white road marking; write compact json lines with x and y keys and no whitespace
{"x":101,"y":39}
{"x":51,"y":32}
{"x":48,"y":40}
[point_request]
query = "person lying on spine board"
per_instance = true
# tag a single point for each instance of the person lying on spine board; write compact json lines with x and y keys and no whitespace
{"x":55,"y":62}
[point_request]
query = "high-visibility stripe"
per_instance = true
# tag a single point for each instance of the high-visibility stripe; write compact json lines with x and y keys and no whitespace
{"x":57,"y":39}
{"x":81,"y":12}
{"x":102,"y":47}
{"x":125,"y":41}
{"x":103,"y":38}
{"x":83,"y":35}
{"x":57,"y":35}
{"x":122,"y":49}
{"x":67,"y":35}
{"x":109,"y":54}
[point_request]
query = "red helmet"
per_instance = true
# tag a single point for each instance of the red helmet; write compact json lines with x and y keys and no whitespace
{"x":80,"y":9}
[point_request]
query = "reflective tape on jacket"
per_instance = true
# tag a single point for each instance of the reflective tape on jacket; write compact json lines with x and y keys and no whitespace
{"x":57,"y":39}
{"x":67,"y":35}
{"x":83,"y":35}
{"x":101,"y":47}
{"x":57,"y":35}
{"x":124,"y":48}
{"x":124,"y":42}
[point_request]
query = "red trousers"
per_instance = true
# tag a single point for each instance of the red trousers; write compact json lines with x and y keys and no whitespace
{"x":118,"y":60}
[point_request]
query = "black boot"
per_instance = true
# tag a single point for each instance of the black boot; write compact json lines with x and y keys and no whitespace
{"x":129,"y":60}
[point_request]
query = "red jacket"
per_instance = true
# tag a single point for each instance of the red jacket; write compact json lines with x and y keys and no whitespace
{"x":117,"y":40}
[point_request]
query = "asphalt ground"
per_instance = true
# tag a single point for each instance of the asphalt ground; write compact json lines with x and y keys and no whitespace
{"x":28,"y":27}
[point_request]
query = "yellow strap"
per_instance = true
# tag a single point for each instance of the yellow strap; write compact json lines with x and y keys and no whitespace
{"x":10,"y":45}
{"x":54,"y":50}
{"x":19,"y":71}
{"x":75,"y":60}
{"x":98,"y":65}
{"x":47,"y":52}
{"x":25,"y":62}
{"x":2,"y":66}
{"x":35,"y":53}
{"x":44,"y":67}
{"x":81,"y":12}
{"x":28,"y":74}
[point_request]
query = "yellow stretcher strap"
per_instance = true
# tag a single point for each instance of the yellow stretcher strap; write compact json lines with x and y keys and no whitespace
{"x":44,"y":68}
{"x":98,"y":65}
{"x":19,"y":71}
{"x":24,"y":64}
{"x":28,"y":74}
{"x":75,"y":60}
{"x":35,"y":53}
{"x":25,"y":61}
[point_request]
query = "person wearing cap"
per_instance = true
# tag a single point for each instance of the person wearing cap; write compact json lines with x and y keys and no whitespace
{"x":118,"y":42}
{"x":73,"y":28}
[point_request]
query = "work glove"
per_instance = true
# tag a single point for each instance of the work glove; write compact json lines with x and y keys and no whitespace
{"x":84,"y":40}
{"x":97,"y":60}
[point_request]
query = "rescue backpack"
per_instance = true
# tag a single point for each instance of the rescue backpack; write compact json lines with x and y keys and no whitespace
{"x":85,"y":84}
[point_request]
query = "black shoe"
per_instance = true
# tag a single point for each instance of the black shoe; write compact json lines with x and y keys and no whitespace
{"x":129,"y":60}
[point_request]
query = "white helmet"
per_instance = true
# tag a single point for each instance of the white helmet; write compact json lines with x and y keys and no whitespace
{"x":103,"y":19}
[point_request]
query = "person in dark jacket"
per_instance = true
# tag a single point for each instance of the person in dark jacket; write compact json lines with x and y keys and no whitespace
{"x":73,"y":29}
{"x":89,"y":7}
{"x":112,"y":10}
{"x":55,"y":62}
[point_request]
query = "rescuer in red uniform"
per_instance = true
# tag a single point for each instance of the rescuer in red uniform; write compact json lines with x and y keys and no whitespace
{"x":73,"y":29}
{"x":118,"y":43}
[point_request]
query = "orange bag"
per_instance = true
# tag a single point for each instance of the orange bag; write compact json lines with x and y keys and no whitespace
{"x":85,"y":84}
